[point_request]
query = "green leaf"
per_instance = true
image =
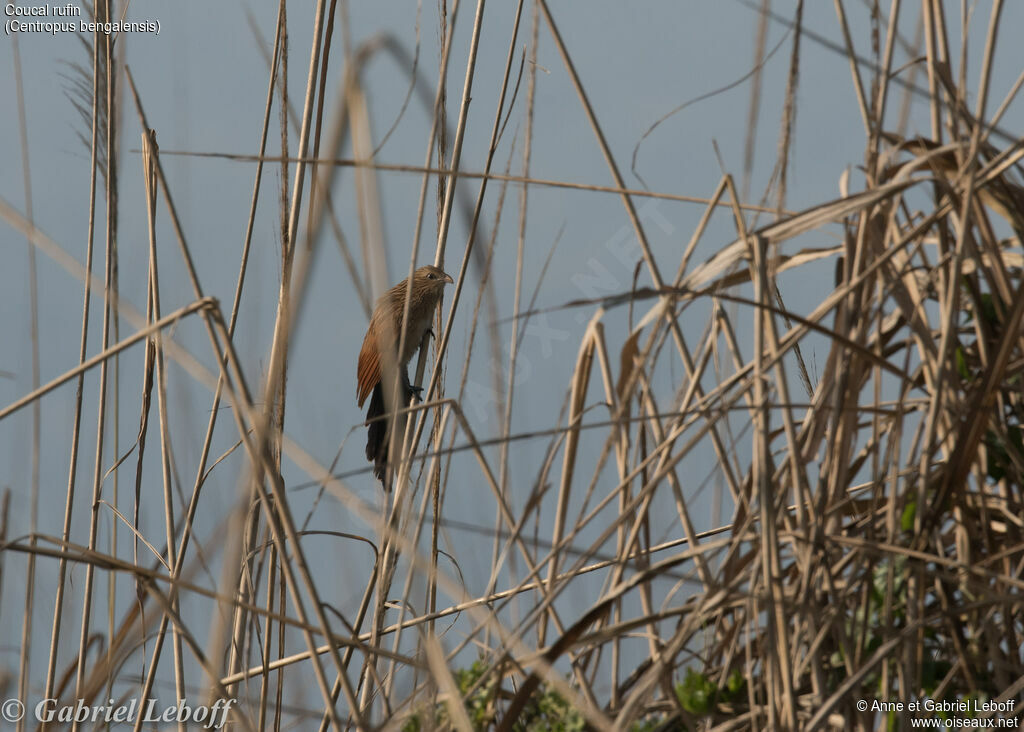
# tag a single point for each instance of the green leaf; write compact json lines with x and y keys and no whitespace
{"x":696,"y":693}
{"x":735,"y":684}
{"x":908,"y":515}
{"x":548,"y":711}
{"x":961,"y":363}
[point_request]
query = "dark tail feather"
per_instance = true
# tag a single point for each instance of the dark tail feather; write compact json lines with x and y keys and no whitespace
{"x":377,"y":434}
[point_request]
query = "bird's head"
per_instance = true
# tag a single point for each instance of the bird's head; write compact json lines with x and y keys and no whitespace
{"x":430,"y":279}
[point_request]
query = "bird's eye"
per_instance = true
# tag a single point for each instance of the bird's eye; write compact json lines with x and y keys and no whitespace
{"x":431,"y":276}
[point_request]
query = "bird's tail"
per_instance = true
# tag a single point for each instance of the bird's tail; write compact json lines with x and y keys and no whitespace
{"x":378,"y":433}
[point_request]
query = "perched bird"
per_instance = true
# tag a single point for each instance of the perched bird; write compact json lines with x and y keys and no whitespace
{"x":380,"y":364}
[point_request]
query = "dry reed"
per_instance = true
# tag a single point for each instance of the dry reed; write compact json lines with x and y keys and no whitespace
{"x":875,"y":542}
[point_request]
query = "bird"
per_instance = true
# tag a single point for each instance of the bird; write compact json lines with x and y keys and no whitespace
{"x":380,"y":364}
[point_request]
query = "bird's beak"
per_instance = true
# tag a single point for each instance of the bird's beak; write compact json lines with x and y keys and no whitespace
{"x":448,"y":279}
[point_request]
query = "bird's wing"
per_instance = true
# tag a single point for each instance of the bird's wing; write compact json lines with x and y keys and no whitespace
{"x":369,"y":367}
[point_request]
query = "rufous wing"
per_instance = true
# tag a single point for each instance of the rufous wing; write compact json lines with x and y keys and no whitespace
{"x":369,"y":367}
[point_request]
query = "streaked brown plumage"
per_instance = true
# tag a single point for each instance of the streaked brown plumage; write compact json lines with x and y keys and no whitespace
{"x":380,"y":362}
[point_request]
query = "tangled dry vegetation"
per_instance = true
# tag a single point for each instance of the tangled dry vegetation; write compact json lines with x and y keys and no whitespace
{"x":875,"y":543}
